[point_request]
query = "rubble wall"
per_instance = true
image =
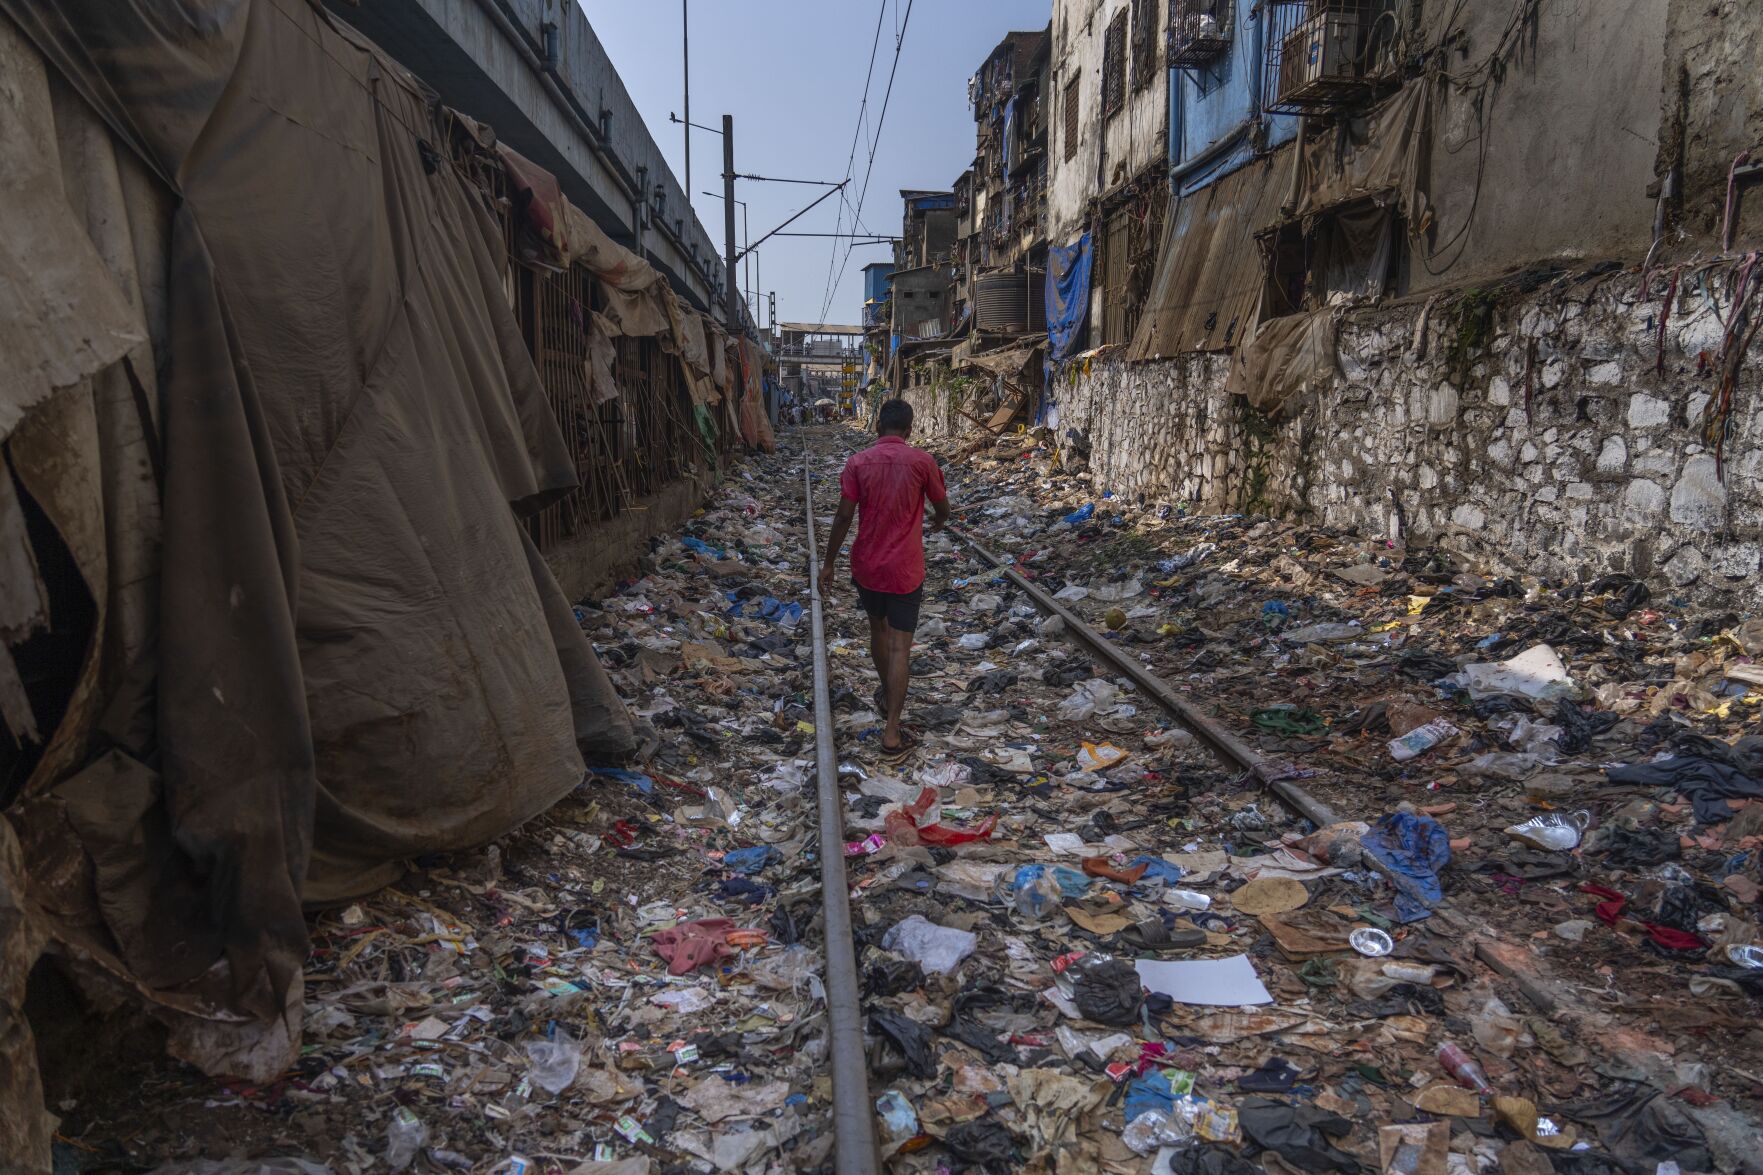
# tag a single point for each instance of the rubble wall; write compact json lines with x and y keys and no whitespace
{"x":1602,"y":465}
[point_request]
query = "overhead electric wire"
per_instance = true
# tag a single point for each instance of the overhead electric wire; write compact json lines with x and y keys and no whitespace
{"x":869,"y":166}
{"x":851,"y":160}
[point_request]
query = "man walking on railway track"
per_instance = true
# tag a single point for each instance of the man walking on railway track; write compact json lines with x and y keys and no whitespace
{"x":886,"y":486}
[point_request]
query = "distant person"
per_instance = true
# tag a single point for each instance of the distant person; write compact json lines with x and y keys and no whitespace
{"x":886,"y":486}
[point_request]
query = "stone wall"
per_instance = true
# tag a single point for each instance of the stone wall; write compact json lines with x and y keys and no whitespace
{"x":1544,"y":441}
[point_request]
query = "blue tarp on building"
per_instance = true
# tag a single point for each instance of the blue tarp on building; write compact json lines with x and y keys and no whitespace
{"x":1068,"y":297}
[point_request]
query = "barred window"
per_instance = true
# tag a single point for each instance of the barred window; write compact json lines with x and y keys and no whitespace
{"x":1114,"y":66}
{"x":1144,"y":42}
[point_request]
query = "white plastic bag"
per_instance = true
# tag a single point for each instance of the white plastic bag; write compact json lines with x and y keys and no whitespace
{"x":937,"y":949}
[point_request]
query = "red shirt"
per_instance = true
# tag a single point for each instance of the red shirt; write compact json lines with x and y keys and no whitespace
{"x":889,"y":481}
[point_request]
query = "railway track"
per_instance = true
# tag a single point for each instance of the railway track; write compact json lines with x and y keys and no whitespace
{"x":854,"y":1117}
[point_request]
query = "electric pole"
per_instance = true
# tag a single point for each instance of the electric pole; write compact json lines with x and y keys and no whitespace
{"x":730,"y":277}
{"x":685,"y":40}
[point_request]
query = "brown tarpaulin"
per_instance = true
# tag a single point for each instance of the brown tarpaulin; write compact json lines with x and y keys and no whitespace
{"x":1285,"y":358}
{"x":1209,"y":268}
{"x":1382,"y":156}
{"x":361,"y":657}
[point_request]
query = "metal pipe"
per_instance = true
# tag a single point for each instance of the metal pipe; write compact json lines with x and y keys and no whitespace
{"x":853,"y":1116}
{"x":1219,"y":740}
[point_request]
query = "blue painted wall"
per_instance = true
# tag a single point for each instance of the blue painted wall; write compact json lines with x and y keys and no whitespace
{"x":875,"y":280}
{"x":1208,"y":105}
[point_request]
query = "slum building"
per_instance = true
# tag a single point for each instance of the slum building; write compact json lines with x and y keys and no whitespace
{"x":310,"y":440}
{"x":1465,"y":274}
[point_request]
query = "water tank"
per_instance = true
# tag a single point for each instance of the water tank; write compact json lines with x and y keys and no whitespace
{"x":1010,"y":303}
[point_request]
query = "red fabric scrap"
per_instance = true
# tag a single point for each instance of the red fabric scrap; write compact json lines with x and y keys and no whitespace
{"x":691,"y":945}
{"x":903,"y":826}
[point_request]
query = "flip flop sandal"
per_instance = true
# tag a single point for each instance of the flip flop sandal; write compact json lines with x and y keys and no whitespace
{"x":908,"y":744}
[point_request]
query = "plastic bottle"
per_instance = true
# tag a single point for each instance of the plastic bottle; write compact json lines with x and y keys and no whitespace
{"x":405,"y":1135}
{"x":1186,"y":899}
{"x":1464,"y":1069}
{"x":1420,"y":740}
{"x":1031,"y":891}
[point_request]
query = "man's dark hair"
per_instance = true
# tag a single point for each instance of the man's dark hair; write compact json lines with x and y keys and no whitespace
{"x":895,"y":416}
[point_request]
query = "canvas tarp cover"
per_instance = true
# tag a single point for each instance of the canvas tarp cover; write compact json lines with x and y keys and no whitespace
{"x":1210,"y":270}
{"x":1382,"y":156}
{"x":1068,"y":296}
{"x":1285,"y":358}
{"x":361,"y":656}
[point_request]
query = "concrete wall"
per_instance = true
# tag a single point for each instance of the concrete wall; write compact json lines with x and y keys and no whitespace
{"x":1109,"y":151}
{"x":588,"y":564}
{"x":1607,"y":469}
{"x":1713,"y":99}
{"x":1570,"y":129}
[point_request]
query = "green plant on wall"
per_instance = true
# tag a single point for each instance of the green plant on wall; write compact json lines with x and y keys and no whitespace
{"x":1469,"y":323}
{"x":1258,"y":433}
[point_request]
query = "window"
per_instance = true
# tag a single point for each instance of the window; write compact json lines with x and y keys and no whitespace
{"x":1144,"y":42}
{"x":1114,"y":66}
{"x":1071,"y":119}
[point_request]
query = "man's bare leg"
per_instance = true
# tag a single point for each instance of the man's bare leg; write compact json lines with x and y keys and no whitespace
{"x":879,"y":651}
{"x":899,"y":646}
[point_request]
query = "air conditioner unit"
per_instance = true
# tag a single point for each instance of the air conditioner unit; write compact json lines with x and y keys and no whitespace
{"x":1319,"y":59}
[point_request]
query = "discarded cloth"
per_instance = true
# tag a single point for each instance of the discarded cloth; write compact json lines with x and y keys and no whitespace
{"x":691,"y":945}
{"x":1705,"y":771}
{"x":1412,"y":849}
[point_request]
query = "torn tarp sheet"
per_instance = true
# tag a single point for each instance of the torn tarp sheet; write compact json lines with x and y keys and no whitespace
{"x":361,"y":656}
{"x":1068,"y":296}
{"x":1387,"y":162}
{"x":1283,"y":360}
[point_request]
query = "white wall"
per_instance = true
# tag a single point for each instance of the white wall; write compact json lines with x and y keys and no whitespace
{"x":1107,"y":153}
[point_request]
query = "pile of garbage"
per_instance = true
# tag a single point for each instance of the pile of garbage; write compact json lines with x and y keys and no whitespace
{"x":1527,"y":944}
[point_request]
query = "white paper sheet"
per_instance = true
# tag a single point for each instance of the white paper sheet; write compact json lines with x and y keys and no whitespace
{"x":1224,"y":983}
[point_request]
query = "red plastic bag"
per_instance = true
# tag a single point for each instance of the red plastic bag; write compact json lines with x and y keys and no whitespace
{"x":903,"y":827}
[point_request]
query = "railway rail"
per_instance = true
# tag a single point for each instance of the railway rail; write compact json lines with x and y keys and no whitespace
{"x":853,"y":1116}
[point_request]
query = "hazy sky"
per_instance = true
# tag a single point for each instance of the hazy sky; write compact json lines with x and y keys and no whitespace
{"x":792,"y":74}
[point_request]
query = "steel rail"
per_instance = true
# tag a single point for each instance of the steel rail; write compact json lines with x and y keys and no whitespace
{"x":856,"y":1152}
{"x":1206,"y":728}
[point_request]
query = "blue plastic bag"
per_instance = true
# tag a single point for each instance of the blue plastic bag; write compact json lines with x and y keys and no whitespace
{"x":751,"y":860}
{"x":1081,"y":515}
{"x":1156,"y":868}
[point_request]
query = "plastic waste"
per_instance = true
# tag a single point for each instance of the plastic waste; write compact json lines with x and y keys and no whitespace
{"x":937,"y":949}
{"x":935,"y":626}
{"x":1174,"y":736}
{"x":1403,"y":972}
{"x":1541,"y":739}
{"x":1186,"y":899}
{"x":1463,"y":1068}
{"x":1745,"y":955}
{"x":792,"y":970}
{"x":1309,"y":634}
{"x":985,"y":602}
{"x":974,"y":641}
{"x":1093,"y":695}
{"x":1420,"y":740}
{"x":1556,"y":831}
{"x":1081,"y":515}
{"x":1537,"y":673}
{"x":1052,"y":626}
{"x":1154,"y":1129}
{"x":1371,"y":942}
{"x":1506,"y":765}
{"x":1031,"y":891}
{"x":552,"y":1064}
{"x":1071,"y":593}
{"x":899,"y":1119}
{"x":1495,"y":1028}
{"x":405,"y":1134}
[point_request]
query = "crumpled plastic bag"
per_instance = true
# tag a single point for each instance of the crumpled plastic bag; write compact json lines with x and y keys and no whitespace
{"x":937,"y":949}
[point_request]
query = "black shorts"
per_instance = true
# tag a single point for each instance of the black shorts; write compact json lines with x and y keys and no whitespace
{"x":900,"y":608}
